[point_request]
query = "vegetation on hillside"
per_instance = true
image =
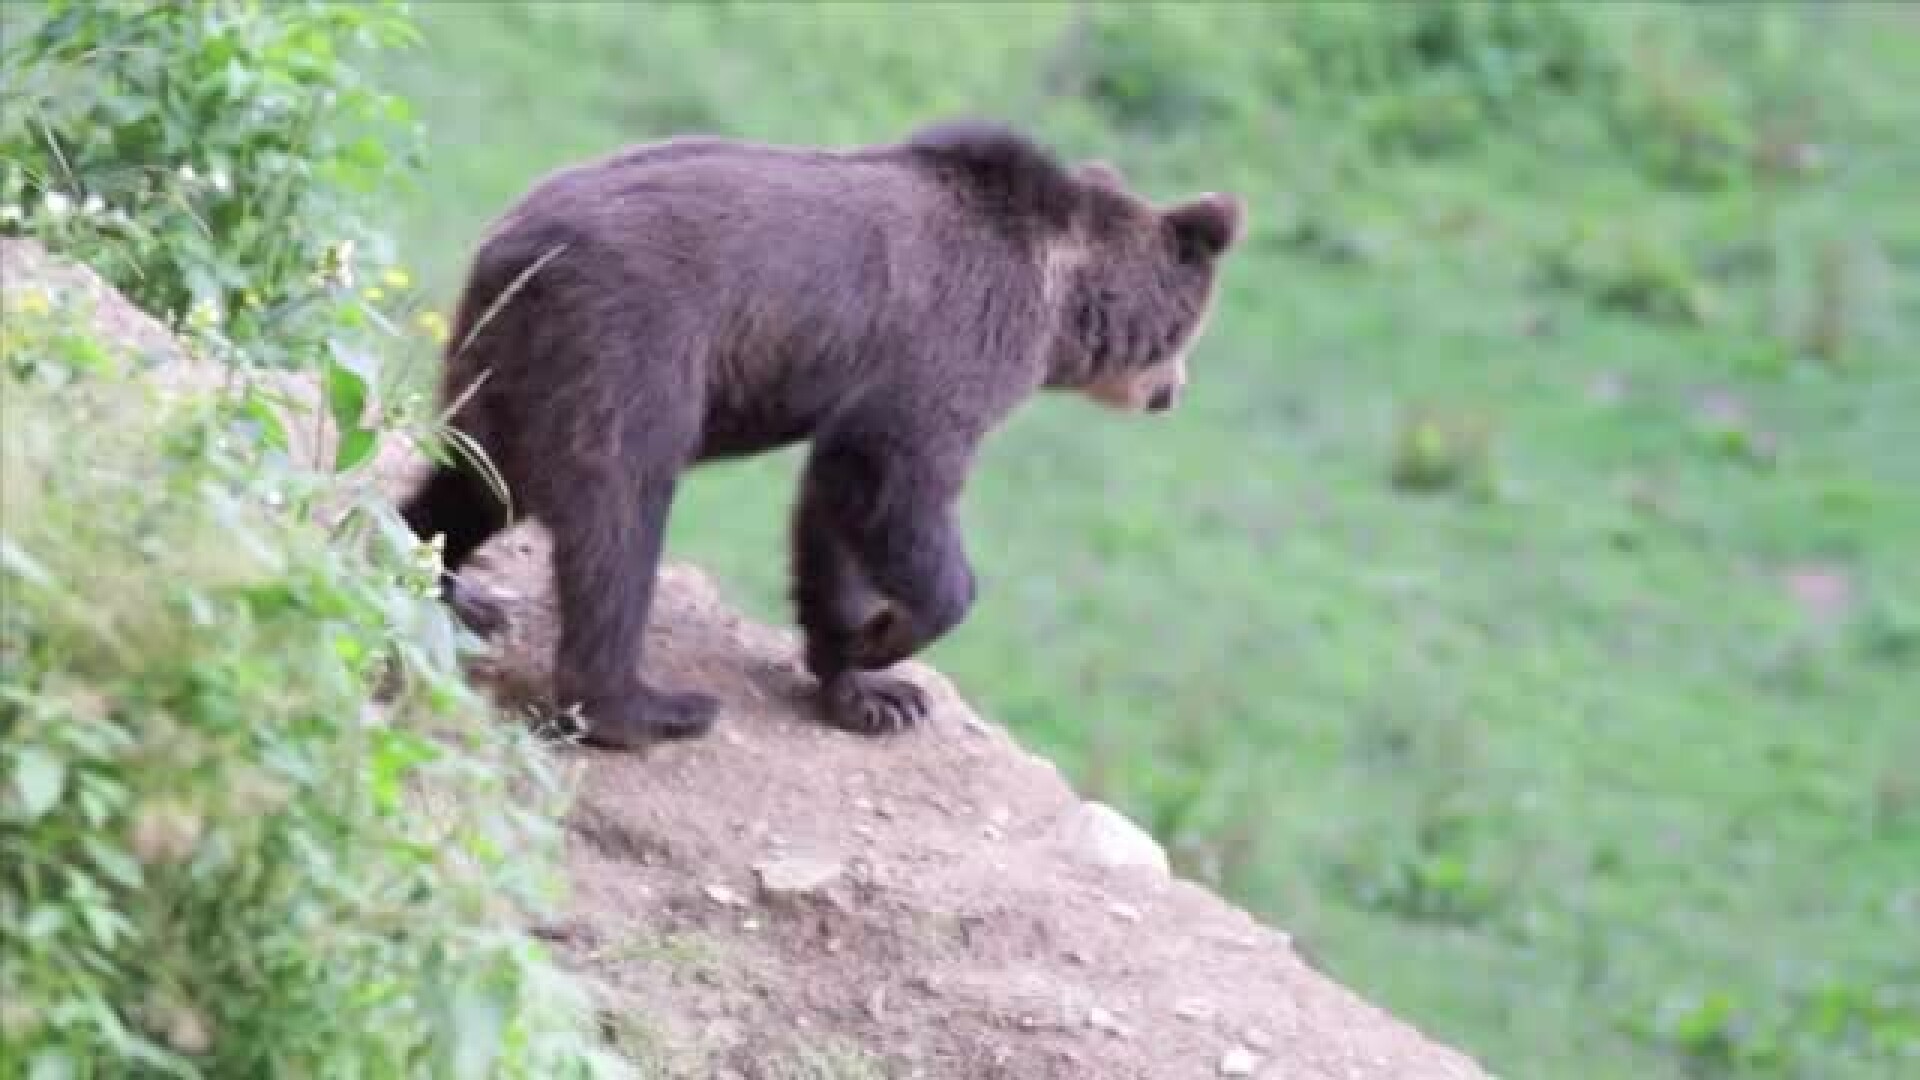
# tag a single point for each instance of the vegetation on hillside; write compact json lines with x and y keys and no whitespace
{"x":248,"y":823}
{"x":1520,"y":609}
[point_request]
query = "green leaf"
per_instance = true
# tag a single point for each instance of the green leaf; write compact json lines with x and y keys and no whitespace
{"x":15,"y":560}
{"x":346,"y":392}
{"x":117,"y":865}
{"x":43,"y":923}
{"x":478,"y":1019}
{"x":39,"y":776}
{"x":395,"y":753}
{"x":272,"y":432}
{"x":106,"y":925}
{"x":355,"y":447}
{"x":52,"y":1063}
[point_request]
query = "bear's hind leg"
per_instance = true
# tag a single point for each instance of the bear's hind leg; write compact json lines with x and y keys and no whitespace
{"x":454,"y":503}
{"x":607,"y":539}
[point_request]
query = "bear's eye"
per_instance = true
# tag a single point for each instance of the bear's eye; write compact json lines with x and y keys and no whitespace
{"x":1163,"y":344}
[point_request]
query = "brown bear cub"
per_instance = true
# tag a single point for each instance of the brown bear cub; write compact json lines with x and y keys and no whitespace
{"x":702,"y":299}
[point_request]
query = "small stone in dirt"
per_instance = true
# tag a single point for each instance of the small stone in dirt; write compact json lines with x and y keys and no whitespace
{"x":1192,"y":1009}
{"x":1099,"y":834}
{"x":723,"y":896}
{"x":1124,"y":911}
{"x":798,"y":875}
{"x":1238,"y":1061}
{"x":1257,"y":1039}
{"x":1100,"y":1019}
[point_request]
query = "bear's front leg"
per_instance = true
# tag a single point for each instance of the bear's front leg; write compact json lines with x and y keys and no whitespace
{"x":932,"y":595}
{"x":875,"y":581}
{"x":835,"y":609}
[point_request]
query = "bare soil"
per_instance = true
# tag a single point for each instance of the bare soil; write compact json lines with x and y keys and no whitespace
{"x":965,"y":929}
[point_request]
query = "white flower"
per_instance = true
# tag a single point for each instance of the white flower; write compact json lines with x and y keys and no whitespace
{"x":92,"y":207}
{"x":220,"y":181}
{"x":57,"y":204}
{"x":343,"y":263}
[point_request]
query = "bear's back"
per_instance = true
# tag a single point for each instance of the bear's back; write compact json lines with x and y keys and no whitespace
{"x":790,"y":275}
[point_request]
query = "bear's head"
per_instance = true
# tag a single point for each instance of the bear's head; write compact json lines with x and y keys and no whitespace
{"x":1135,"y":283}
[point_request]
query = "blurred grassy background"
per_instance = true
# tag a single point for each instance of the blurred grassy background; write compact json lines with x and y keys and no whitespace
{"x":1523,"y":610}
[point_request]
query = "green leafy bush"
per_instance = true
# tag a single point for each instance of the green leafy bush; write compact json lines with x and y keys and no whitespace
{"x":252,"y":821}
{"x":213,"y":160}
{"x":1494,"y":59}
{"x":1440,"y":446}
{"x":1444,"y":76}
{"x":1721,"y":1032}
{"x":1637,"y":270}
{"x":1146,"y":70}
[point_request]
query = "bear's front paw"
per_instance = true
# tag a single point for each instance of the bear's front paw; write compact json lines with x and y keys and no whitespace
{"x":868,"y":704}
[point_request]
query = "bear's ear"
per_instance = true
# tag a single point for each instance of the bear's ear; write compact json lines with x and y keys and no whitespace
{"x":1205,"y":228}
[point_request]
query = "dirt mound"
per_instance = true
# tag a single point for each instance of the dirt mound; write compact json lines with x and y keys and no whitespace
{"x":782,"y":901}
{"x":938,"y":904}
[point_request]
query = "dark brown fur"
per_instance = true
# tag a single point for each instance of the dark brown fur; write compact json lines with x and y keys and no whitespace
{"x":700,"y":299}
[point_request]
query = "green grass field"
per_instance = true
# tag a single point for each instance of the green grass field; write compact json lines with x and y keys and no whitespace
{"x":1524,"y":608}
